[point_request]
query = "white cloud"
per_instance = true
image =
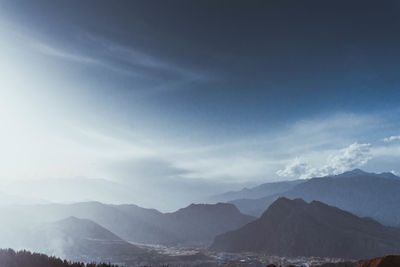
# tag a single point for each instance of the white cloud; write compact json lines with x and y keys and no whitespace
{"x":297,"y":168}
{"x":391,"y":138}
{"x":355,"y":155}
{"x":339,"y":161}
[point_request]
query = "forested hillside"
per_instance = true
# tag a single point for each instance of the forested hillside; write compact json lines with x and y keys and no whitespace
{"x":10,"y":258}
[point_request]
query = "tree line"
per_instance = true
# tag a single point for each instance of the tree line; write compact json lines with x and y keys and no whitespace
{"x":23,"y":258}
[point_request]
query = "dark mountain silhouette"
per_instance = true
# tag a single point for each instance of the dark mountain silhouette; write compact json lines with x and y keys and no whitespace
{"x":384,"y":261}
{"x":259,"y":191}
{"x":82,"y":240}
{"x":364,"y":194}
{"x":296,"y":228}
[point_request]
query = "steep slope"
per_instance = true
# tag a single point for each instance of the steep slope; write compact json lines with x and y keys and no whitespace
{"x":202,"y":222}
{"x":361,"y":193}
{"x":254,"y":207}
{"x":296,"y":228}
{"x":384,"y":261}
{"x":83,"y":240}
{"x":259,"y":191}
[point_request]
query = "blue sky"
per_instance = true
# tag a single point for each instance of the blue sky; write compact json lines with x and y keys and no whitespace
{"x":218,"y":94}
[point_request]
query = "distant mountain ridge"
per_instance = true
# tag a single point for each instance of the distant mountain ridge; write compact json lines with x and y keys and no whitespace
{"x":257,"y":191}
{"x":296,"y":228}
{"x":364,"y":194}
{"x":359,"y":172}
{"x":197,"y":223}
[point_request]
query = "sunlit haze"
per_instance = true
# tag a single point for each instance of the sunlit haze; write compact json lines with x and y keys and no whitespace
{"x":147,"y":103}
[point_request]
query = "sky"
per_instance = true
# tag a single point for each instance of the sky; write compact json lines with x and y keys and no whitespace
{"x":177,"y":100}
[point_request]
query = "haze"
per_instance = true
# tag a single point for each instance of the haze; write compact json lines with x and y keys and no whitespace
{"x":163,"y":104}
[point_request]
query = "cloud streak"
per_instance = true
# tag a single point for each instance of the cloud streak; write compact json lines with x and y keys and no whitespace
{"x":133,"y":57}
{"x":93,"y":50}
{"x":391,"y":138}
{"x":63,"y":54}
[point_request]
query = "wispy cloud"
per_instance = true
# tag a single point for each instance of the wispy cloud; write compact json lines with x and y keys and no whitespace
{"x":133,"y":57}
{"x":110,"y":55}
{"x":64,"y":54}
{"x":391,"y":138}
{"x":51,"y":51}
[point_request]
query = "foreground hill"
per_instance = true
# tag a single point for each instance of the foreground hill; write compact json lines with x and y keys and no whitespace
{"x":385,"y":261}
{"x":296,"y":228}
{"x":82,"y":240}
{"x":364,"y":194}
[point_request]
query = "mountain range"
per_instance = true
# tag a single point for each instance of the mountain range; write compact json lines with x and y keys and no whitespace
{"x":197,"y":223}
{"x":259,"y":191}
{"x":297,"y":228}
{"x":364,"y":194}
{"x":345,"y":218}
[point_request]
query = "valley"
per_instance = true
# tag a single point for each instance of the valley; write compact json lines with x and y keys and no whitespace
{"x":290,"y":230}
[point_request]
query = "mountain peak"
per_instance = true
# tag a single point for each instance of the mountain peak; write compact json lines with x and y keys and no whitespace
{"x":359,"y":172}
{"x":354,"y":172}
{"x":297,"y":228}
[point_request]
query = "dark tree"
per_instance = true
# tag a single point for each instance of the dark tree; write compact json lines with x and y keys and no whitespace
{"x":10,"y":258}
